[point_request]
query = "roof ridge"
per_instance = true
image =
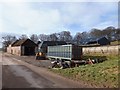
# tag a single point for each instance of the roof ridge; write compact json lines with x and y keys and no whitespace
{"x":20,"y":42}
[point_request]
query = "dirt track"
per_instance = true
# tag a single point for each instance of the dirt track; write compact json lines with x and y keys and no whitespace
{"x":19,"y":74}
{"x":31,"y":60}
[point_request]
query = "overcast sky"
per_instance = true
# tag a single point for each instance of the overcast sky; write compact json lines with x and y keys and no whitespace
{"x":49,"y":17}
{"x":20,"y":17}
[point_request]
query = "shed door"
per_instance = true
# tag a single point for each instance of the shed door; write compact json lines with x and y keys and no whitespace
{"x":29,"y":50}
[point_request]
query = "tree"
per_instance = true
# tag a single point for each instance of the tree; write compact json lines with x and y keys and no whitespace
{"x":7,"y":40}
{"x":52,"y":37}
{"x":77,"y":38}
{"x":96,"y":33}
{"x":65,"y":36}
{"x":117,"y":34}
{"x":23,"y":36}
{"x":85,"y":35}
{"x":43,"y":37}
{"x":34,"y":38}
{"x":109,"y":32}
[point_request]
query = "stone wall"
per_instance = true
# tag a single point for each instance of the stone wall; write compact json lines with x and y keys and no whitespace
{"x":14,"y":50}
{"x":102,"y":50}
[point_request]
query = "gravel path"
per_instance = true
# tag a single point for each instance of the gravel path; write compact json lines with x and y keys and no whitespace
{"x":32,"y":60}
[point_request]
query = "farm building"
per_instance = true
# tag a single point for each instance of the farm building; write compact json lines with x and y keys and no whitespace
{"x":100,"y":41}
{"x":22,"y":47}
{"x":43,"y":45}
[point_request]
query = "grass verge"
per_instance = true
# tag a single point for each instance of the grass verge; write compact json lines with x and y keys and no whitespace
{"x":103,"y":74}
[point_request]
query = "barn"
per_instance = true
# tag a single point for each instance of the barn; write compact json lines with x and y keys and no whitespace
{"x":22,"y":47}
{"x":100,"y":41}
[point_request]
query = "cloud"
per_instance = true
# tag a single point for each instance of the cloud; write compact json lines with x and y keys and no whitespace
{"x":31,"y":20}
{"x":59,"y":0}
{"x":89,"y":15}
{"x":50,"y":17}
{"x":1,"y":26}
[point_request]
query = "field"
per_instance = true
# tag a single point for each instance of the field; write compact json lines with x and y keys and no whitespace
{"x":103,"y":74}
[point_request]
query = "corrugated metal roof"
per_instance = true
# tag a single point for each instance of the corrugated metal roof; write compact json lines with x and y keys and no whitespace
{"x":51,"y":43}
{"x":96,"y":40}
{"x":12,"y":44}
{"x":20,"y":42}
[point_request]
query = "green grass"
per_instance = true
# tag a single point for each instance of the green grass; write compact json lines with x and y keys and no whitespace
{"x":103,"y":74}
